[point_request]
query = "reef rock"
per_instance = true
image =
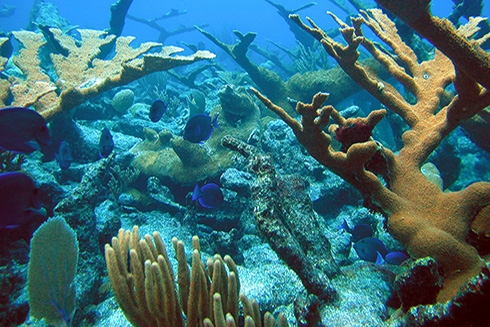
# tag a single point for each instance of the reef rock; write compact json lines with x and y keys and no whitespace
{"x":170,"y":157}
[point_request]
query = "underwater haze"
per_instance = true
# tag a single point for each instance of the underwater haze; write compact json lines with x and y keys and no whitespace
{"x":222,"y":17}
{"x":221,"y":163}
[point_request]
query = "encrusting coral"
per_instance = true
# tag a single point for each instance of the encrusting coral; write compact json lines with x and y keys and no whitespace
{"x":148,"y":296}
{"x":79,"y":74}
{"x":428,"y":221}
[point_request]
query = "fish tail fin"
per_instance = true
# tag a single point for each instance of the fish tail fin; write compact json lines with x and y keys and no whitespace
{"x":379,"y":259}
{"x":345,"y":227}
{"x":215,"y":122}
{"x":196,"y":193}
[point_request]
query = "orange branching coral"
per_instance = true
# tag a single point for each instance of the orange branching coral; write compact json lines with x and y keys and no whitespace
{"x":428,"y":221}
{"x":34,"y":89}
{"x":4,"y":84}
{"x":3,"y":60}
{"x":465,"y":53}
{"x":80,"y":74}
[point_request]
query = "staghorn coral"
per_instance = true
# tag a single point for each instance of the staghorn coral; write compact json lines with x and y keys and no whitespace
{"x":466,"y":54}
{"x":148,"y":296}
{"x":79,"y":74}
{"x":428,"y":221}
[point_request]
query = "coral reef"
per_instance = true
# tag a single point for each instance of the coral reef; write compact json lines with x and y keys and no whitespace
{"x":168,"y":156}
{"x":288,"y":193}
{"x":147,"y":293}
{"x":78,"y":73}
{"x":285,"y":217}
{"x":300,"y":86}
{"x":426,"y":220}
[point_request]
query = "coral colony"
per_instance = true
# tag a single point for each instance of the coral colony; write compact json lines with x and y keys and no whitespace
{"x":342,"y":181}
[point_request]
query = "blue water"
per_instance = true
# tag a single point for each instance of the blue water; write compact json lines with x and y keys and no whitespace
{"x":222,"y":17}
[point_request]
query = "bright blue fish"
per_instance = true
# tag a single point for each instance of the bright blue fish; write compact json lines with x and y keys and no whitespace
{"x":21,"y":128}
{"x":199,"y":128}
{"x":106,"y":143}
{"x":358,"y":232}
{"x":209,"y":196}
{"x":157,"y":109}
{"x":379,"y":259}
{"x":64,"y":156}
{"x":396,"y":258}
{"x":19,"y":200}
{"x":367,"y":249}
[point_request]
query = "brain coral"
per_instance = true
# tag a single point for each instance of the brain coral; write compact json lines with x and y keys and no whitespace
{"x":123,"y":100}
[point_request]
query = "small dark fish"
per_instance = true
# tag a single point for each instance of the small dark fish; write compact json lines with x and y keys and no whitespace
{"x":157,"y":109}
{"x":106,"y":143}
{"x":367,"y":249}
{"x":21,"y":128}
{"x":396,"y":258}
{"x":19,"y":200}
{"x":64,"y":156}
{"x":6,"y":48}
{"x":358,"y":232}
{"x":199,"y":128}
{"x":209,"y":196}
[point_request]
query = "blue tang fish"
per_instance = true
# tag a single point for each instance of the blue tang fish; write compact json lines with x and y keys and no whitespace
{"x":106,"y":143}
{"x":358,"y":232}
{"x":209,"y":196}
{"x":396,"y":258}
{"x":368,"y":248}
{"x":157,"y":109}
{"x":199,"y":128}
{"x":64,"y":156}
{"x":19,"y":200}
{"x":21,"y":128}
